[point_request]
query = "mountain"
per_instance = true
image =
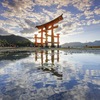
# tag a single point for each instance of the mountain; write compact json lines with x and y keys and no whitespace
{"x":79,"y":44}
{"x":13,"y":40}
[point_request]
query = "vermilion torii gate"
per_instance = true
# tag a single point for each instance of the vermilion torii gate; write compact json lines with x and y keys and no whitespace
{"x":44,"y":29}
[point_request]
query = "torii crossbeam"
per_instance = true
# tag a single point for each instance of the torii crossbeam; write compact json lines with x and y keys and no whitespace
{"x":44,"y":28}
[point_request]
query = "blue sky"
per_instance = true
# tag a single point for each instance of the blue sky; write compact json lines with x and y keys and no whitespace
{"x":81,"y":21}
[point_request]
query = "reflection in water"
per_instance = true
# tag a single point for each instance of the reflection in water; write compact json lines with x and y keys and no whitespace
{"x":13,"y":55}
{"x":51,"y":75}
{"x":45,"y":64}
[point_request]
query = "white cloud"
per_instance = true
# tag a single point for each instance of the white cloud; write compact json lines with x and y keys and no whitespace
{"x":89,"y":22}
{"x":60,"y":3}
{"x":18,"y":5}
{"x":4,"y":32}
{"x":97,"y":11}
{"x":82,"y":5}
{"x":10,"y":26}
{"x":28,"y":30}
{"x":88,"y":13}
{"x":95,"y":21}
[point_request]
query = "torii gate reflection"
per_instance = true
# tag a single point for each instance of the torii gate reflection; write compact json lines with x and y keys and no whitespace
{"x":44,"y":59}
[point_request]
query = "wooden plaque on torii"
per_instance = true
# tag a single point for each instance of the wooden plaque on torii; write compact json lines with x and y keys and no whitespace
{"x":43,"y":29}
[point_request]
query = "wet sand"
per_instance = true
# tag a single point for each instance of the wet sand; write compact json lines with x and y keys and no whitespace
{"x":15,"y":49}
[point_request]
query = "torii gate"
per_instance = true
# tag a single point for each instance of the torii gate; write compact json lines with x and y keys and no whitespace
{"x":44,"y":29}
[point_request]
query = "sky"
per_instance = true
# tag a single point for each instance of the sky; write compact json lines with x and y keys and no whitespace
{"x":81,"y":18}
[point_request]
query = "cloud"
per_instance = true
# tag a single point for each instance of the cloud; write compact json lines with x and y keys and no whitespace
{"x":30,"y":23}
{"x":89,"y":22}
{"x":28,"y":30}
{"x":17,"y":8}
{"x":60,"y":3}
{"x":88,"y":13}
{"x":23,"y":6}
{"x":10,"y":26}
{"x":70,"y":28}
{"x":93,"y":21}
{"x":97,"y":11}
{"x":17,"y":5}
{"x":3,"y":32}
{"x":82,"y":5}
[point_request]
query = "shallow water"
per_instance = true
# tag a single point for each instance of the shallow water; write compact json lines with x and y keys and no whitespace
{"x":50,"y":75}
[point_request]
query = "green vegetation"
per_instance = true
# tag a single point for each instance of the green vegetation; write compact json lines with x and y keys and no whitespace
{"x":4,"y":43}
{"x":14,"y":41}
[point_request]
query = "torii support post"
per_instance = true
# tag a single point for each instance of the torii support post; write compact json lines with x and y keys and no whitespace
{"x":41,"y":44}
{"x":53,"y":42}
{"x":52,"y":36}
{"x":46,"y":35}
{"x":41,"y":31}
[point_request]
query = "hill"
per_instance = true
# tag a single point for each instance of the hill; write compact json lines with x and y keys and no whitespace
{"x":79,"y":44}
{"x":13,"y":40}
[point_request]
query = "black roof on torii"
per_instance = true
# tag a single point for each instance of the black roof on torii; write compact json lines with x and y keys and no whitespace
{"x":56,"y":20}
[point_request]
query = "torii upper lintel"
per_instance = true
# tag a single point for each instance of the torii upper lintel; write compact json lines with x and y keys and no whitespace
{"x":56,"y":20}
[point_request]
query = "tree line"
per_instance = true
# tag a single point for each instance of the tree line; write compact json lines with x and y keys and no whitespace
{"x":5,"y":43}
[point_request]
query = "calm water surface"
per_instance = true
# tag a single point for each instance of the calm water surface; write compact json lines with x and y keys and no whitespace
{"x":50,"y":75}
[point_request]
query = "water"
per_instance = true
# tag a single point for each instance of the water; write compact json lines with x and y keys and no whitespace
{"x":50,"y":75}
